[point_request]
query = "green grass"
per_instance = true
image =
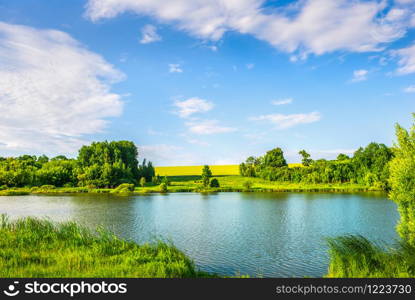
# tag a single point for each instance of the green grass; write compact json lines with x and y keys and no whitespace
{"x":193,"y":183}
{"x":39,"y":248}
{"x":236,"y":184}
{"x":357,"y":257}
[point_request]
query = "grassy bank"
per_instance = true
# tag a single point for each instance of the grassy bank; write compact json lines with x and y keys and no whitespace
{"x":194,"y":184}
{"x":38,"y":248}
{"x":357,"y":257}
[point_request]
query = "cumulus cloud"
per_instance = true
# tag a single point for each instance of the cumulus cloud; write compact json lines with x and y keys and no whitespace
{"x":282,"y":101}
{"x":302,"y":27}
{"x":406,"y":60}
{"x":360,"y":75}
{"x":206,"y":127}
{"x":149,"y":34}
{"x":175,"y":68}
{"x":286,"y":121}
{"x":53,"y":91}
{"x":188,"y":107}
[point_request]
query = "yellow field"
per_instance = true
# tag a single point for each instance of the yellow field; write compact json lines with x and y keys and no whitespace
{"x":197,"y":170}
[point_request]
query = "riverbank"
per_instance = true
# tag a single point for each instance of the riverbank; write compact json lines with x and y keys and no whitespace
{"x":39,"y":248}
{"x":182,"y":184}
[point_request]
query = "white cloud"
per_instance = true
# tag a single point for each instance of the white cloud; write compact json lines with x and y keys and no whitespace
{"x":53,"y":91}
{"x":360,"y":75}
{"x":410,"y":89}
{"x":149,"y":34}
{"x":191,"y":106}
{"x":282,"y":101}
{"x":286,"y":121}
{"x":304,"y":27}
{"x":406,"y":60}
{"x":250,"y":66}
{"x":175,"y":68}
{"x":206,"y":127}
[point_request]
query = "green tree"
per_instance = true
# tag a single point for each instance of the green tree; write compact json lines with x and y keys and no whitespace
{"x":163,"y":187}
{"x":143,"y":181}
{"x":402,"y":181}
{"x":274,"y":159}
{"x":342,"y":157}
{"x":206,"y":175}
{"x":108,"y":164}
{"x":306,"y":158}
{"x":214,"y":183}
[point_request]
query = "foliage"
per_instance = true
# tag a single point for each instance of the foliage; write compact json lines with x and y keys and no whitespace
{"x":146,"y":171}
{"x":100,"y":165}
{"x":143,"y":181}
{"x":402,"y":181}
{"x":247,"y":184}
{"x":206,"y":175}
{"x":163,"y":187}
{"x":38,"y":248}
{"x":368,"y":166}
{"x":108,"y":164}
{"x":124,"y":188}
{"x":214,"y":183}
{"x":306,"y":161}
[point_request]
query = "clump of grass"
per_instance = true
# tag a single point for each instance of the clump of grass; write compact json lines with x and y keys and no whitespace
{"x":357,"y":257}
{"x":32,"y":247}
{"x":14,"y":193}
{"x":124,"y":189}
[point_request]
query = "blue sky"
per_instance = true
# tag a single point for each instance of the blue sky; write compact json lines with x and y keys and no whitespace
{"x":205,"y":82}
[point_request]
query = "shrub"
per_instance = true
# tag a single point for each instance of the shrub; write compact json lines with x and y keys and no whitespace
{"x":247,"y":185}
{"x":214,"y":183}
{"x":163,"y":187}
{"x":3,"y":187}
{"x":143,"y":181}
{"x":48,"y":187}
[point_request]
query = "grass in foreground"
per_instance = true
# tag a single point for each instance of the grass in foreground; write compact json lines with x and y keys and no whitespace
{"x":39,"y":248}
{"x":357,"y":257}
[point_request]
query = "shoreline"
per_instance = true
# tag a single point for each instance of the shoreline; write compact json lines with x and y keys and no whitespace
{"x":346,"y":188}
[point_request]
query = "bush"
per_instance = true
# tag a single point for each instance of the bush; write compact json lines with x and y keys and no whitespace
{"x":48,"y":187}
{"x":214,"y":183}
{"x":3,"y":187}
{"x":126,"y":186}
{"x":163,"y":187}
{"x":247,"y":185}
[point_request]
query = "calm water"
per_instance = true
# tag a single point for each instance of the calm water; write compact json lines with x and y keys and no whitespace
{"x":260,"y":234}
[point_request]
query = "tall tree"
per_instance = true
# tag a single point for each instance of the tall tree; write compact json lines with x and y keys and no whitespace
{"x":206,"y":175}
{"x":306,"y":158}
{"x":402,"y":181}
{"x":275,"y":158}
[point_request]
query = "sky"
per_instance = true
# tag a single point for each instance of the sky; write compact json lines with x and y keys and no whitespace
{"x":195,"y":82}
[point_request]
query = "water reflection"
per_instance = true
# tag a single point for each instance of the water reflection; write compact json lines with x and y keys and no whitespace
{"x":266,"y":234}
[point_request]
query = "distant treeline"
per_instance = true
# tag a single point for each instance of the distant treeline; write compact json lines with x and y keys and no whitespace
{"x":102,"y":164}
{"x":368,"y":166}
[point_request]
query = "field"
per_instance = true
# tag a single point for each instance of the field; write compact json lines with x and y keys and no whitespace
{"x":38,"y":248}
{"x":217,"y":170}
{"x":197,"y":170}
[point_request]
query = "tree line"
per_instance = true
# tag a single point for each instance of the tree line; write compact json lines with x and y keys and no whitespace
{"x":368,"y":166}
{"x":101,"y":164}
